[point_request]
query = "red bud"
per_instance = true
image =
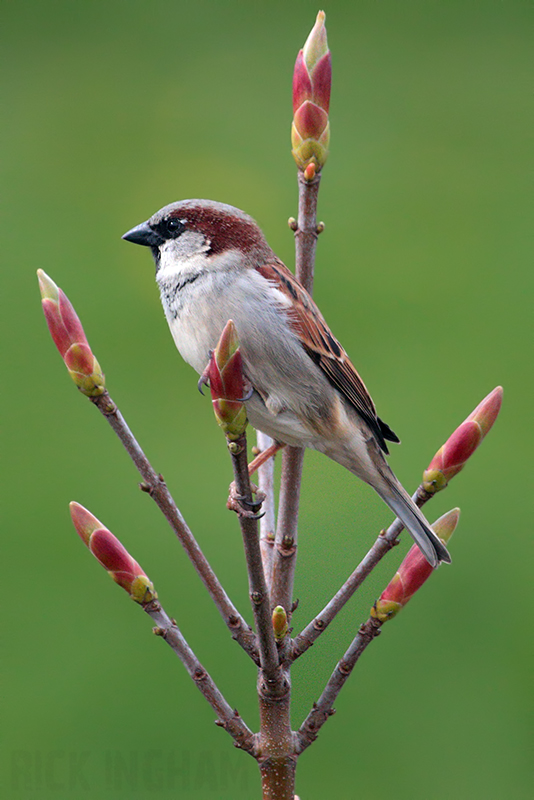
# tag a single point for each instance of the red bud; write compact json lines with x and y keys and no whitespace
{"x":112,"y":555}
{"x":312,"y":80}
{"x":69,"y":337}
{"x":413,"y":572}
{"x":461,"y":445}
{"x":225,"y":375}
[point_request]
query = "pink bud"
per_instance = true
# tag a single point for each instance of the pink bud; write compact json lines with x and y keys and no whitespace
{"x":312,"y":80}
{"x":302,"y":85}
{"x":310,"y":120}
{"x":112,"y":555}
{"x":69,"y":337}
{"x":413,"y":572}
{"x":225,"y":375}
{"x":316,"y":46}
{"x":322,"y":82}
{"x":461,"y":445}
{"x":486,"y":412}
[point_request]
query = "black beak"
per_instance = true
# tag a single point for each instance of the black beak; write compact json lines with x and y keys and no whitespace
{"x":144,"y":234}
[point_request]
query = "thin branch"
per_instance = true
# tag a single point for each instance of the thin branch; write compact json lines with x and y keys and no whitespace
{"x":156,"y":487}
{"x":307,"y":232}
{"x":285,"y":548}
{"x":247,"y":510}
{"x":285,"y":555}
{"x":385,"y":541}
{"x":227,"y":717}
{"x":323,"y":708}
{"x":268,"y":521}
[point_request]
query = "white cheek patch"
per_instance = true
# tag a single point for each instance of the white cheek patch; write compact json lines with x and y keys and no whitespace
{"x":184,"y":254}
{"x":190,"y":243}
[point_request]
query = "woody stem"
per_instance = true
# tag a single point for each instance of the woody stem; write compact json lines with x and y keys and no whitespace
{"x":285,"y":551}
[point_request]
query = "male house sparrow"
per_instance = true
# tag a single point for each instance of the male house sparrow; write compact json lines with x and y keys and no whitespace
{"x":214,"y":264}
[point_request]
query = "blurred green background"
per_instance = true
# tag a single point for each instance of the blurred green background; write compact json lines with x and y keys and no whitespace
{"x":114,"y":109}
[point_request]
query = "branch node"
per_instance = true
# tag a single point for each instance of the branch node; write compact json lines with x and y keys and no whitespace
{"x":158,"y":631}
{"x":292,"y":222}
{"x":268,"y":538}
{"x":344,"y":668}
{"x":287,"y":547}
{"x":105,"y":405}
{"x":368,"y":630}
{"x":295,"y":605}
{"x":199,"y":674}
{"x":219,"y":723}
{"x":257,"y":598}
{"x":318,"y":624}
{"x":235,"y":448}
{"x":383,"y":536}
{"x":152,"y":607}
{"x":146,"y":487}
{"x":320,"y":228}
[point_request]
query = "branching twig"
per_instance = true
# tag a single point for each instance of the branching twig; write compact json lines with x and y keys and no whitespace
{"x":384,"y":542}
{"x":156,"y":487}
{"x":284,"y":561}
{"x":323,"y":708}
{"x":247,"y":511}
{"x":227,"y":717}
{"x":268,"y":521}
{"x":307,"y":231}
{"x":285,"y":549}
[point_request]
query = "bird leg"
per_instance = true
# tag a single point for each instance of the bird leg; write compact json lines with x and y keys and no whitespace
{"x":264,"y":456}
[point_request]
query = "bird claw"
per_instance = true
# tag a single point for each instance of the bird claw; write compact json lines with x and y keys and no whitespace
{"x":243,"y":506}
{"x":204,"y":379}
{"x":248,"y":389}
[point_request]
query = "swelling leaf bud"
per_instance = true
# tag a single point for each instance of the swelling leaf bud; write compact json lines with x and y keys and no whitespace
{"x":312,"y":80}
{"x":460,"y":446}
{"x":413,"y":572}
{"x":280,"y":623}
{"x":112,"y":555}
{"x":225,"y":375}
{"x":69,"y":337}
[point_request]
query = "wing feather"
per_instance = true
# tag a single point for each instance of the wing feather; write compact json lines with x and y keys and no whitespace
{"x":324,"y":349}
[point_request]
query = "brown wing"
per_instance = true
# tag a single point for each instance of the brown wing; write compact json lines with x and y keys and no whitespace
{"x":316,"y":338}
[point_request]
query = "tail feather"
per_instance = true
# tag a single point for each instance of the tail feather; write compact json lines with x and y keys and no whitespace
{"x":414,"y":521}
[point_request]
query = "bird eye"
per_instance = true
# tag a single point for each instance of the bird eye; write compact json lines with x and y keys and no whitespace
{"x":174,"y":226}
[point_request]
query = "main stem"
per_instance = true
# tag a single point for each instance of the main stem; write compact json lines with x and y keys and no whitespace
{"x":277,"y":742}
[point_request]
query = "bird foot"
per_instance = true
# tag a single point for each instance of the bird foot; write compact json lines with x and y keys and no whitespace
{"x":243,"y":506}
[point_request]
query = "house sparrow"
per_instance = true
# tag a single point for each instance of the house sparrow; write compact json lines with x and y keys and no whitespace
{"x":213,"y":264}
